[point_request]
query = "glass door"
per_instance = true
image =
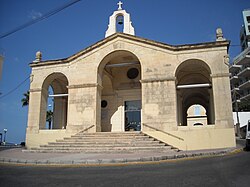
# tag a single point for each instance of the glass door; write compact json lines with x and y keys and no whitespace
{"x":133,"y":115}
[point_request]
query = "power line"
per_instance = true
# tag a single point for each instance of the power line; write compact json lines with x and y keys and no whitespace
{"x":47,"y":15}
{"x":14,"y":89}
{"x":234,"y":45}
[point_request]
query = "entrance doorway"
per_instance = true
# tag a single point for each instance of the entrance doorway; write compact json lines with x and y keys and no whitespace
{"x":133,"y":115}
{"x":119,"y":74}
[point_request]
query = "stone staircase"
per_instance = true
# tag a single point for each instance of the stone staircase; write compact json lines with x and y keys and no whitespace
{"x":105,"y":142}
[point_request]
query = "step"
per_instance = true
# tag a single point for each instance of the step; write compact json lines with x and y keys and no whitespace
{"x":96,"y":152}
{"x":104,"y":141}
{"x":107,"y":145}
{"x":109,"y":138}
{"x":97,"y":149}
{"x":112,"y":133}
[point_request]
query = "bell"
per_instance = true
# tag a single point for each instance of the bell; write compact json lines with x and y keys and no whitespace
{"x":120,"y":20}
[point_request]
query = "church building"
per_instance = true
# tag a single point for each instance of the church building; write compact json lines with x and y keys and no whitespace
{"x":177,"y":94}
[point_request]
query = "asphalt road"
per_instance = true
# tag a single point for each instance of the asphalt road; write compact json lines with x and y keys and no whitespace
{"x":230,"y":170}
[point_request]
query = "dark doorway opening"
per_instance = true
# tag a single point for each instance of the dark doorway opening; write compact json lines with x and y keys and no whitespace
{"x":133,"y":115}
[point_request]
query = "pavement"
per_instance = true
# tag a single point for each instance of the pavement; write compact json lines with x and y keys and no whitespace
{"x":16,"y":155}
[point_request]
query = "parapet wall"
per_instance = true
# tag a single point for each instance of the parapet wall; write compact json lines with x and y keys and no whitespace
{"x":43,"y":137}
{"x":196,"y":139}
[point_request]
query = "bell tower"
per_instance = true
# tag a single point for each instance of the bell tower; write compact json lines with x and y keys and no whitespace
{"x":120,"y":17}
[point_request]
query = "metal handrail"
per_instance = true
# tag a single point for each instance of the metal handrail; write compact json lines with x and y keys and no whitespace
{"x":169,"y":134}
{"x":87,"y":128}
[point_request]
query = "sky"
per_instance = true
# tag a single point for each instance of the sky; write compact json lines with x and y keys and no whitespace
{"x":84,"y":23}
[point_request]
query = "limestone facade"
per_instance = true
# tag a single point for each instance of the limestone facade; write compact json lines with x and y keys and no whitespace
{"x":100,"y":73}
{"x":125,"y":83}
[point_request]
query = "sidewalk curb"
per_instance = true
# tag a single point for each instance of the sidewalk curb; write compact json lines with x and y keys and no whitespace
{"x":120,"y":161}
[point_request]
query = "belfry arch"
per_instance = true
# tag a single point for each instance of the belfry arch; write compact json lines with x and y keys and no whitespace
{"x":126,"y":22}
{"x":58,"y":82}
{"x":119,"y":26}
{"x":119,"y":74}
{"x":194,"y":86}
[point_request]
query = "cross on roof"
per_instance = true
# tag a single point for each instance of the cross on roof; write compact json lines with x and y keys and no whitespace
{"x":119,"y":5}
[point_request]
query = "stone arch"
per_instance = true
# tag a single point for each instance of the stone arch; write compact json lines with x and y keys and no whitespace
{"x":194,"y":86}
{"x":199,"y":65}
{"x":196,"y":114}
{"x":59,"y":84}
{"x":117,"y":87}
{"x":119,"y":22}
{"x":113,"y":54}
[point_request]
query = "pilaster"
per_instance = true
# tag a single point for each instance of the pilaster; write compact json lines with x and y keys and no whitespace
{"x":83,"y":102}
{"x":159,"y":104}
{"x":222,"y":101}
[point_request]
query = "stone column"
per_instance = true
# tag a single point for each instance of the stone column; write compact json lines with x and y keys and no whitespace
{"x":222,"y":100}
{"x":82,"y":108}
{"x":37,"y":113}
{"x":98,"y":110}
{"x":211,"y":114}
{"x":179,"y":109}
{"x":159,"y":107}
{"x":60,"y":112}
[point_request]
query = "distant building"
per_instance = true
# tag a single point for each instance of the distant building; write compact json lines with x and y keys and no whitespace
{"x":245,"y":30}
{"x":240,"y":69}
{"x":240,"y":129}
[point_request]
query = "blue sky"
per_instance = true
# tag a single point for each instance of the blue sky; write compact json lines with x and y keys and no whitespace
{"x":84,"y":23}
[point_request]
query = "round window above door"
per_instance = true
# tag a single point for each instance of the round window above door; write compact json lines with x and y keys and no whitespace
{"x":132,"y":73}
{"x":104,"y":104}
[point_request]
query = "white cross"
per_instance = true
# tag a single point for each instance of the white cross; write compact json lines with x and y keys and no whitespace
{"x":119,"y":5}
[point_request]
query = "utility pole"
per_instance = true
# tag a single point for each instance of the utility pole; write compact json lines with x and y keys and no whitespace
{"x":237,"y":112}
{"x":4,"y":137}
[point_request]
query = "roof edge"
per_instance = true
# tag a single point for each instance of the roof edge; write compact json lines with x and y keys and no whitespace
{"x":138,"y":39}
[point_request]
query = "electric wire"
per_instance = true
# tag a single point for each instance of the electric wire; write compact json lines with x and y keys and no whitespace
{"x":45,"y":16}
{"x":234,"y":45}
{"x":14,"y":89}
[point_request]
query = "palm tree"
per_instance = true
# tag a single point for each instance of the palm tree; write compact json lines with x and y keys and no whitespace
{"x":25,"y":100}
{"x":49,"y":117}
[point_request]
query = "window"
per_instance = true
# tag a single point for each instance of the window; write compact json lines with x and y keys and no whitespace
{"x":104,"y":104}
{"x":197,"y":110}
{"x":132,"y":73}
{"x":248,"y":19}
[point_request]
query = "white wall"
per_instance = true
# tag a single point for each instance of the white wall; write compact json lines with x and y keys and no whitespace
{"x":243,"y":118}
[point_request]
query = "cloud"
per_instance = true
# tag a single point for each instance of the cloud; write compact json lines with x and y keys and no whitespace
{"x":35,"y":14}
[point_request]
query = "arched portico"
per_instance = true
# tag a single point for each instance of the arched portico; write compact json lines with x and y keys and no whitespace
{"x":124,"y":81}
{"x":58,"y":83}
{"x":119,"y":74}
{"x":193,"y":85}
